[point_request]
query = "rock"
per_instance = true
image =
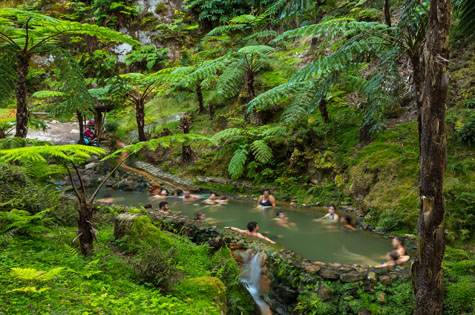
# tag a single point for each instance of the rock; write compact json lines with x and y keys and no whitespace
{"x":372,"y":277}
{"x":122,"y":223}
{"x":363,"y":311}
{"x":324,"y":293}
{"x":312,"y":268}
{"x":286,"y":294}
{"x":264,"y":284}
{"x":262,"y":258}
{"x":329,"y":274}
{"x":90,"y":166}
{"x":385,"y":279}
{"x":381,"y":299}
{"x":352,"y":276}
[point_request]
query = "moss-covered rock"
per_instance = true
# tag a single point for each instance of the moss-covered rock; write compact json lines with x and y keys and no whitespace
{"x":207,"y":288}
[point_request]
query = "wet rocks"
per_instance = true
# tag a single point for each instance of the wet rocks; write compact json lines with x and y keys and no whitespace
{"x":385,"y":279}
{"x":329,"y":274}
{"x":324,"y":293}
{"x":352,"y":276}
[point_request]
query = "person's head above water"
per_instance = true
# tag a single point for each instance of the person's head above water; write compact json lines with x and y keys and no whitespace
{"x":266,"y":192}
{"x":397,"y":242}
{"x":280,"y":215}
{"x":200,"y":216}
{"x":213,"y":196}
{"x":164,"y":192}
{"x":332,"y":209}
{"x":346,"y":219}
{"x":253,"y":227}
{"x":163,"y":205}
{"x":187,"y":194}
{"x":393,"y":256}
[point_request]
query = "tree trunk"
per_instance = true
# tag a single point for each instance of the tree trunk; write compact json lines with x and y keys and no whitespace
{"x":322,"y":106}
{"x":87,"y":232}
{"x":140,"y":117}
{"x":81,"y":127}
{"x":187,"y":154}
{"x":199,"y":94}
{"x":211,"y":111}
{"x":98,"y":123}
{"x":418,"y":79}
{"x":22,"y":112}
{"x":250,"y":86}
{"x":387,"y":14}
{"x":427,"y":268}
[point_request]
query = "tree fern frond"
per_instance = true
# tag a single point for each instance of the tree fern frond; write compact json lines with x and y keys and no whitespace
{"x":47,"y":94}
{"x":261,"y":151}
{"x":227,"y":133}
{"x":257,"y":49}
{"x":274,"y":95}
{"x":261,"y":34}
{"x":67,"y":153}
{"x":232,"y":79}
{"x":236,"y":165}
{"x":8,"y":60}
{"x":223,"y":29}
{"x":274,"y":132}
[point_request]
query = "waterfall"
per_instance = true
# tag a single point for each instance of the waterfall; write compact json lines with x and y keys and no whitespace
{"x":252,"y":280}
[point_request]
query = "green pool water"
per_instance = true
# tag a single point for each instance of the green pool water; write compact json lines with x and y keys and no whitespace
{"x":320,"y":241}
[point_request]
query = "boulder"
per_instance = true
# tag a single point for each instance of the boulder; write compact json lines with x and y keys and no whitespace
{"x":385,"y":279}
{"x":324,"y":293}
{"x":329,"y":274}
{"x":372,"y":277}
{"x":210,"y":288}
{"x":352,"y":276}
{"x":381,"y":299}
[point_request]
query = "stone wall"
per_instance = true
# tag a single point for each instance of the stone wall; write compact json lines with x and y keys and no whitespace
{"x":286,"y":276}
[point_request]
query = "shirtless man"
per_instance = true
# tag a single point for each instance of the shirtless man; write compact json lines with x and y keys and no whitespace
{"x":163,"y":195}
{"x":163,"y":206}
{"x":188,"y":196}
{"x":252,"y":230}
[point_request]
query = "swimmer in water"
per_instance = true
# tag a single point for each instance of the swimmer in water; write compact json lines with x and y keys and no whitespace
{"x":163,"y":206}
{"x":266,"y":199}
{"x":223,"y":200}
{"x":252,"y":230}
{"x":282,"y":220}
{"x":212,"y":199}
{"x":394,"y":259}
{"x":107,"y":198}
{"x":331,"y":216}
{"x":188,"y":196}
{"x":346,"y":223}
{"x":200,"y":216}
{"x":163,"y":194}
{"x":397,"y":243}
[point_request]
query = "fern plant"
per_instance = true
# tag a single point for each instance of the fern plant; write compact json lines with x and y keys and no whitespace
{"x":33,"y":278}
{"x":24,"y":35}
{"x":246,"y":145}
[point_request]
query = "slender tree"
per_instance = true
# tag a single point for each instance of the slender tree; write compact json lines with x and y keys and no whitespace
{"x":427,"y":268}
{"x":24,"y":35}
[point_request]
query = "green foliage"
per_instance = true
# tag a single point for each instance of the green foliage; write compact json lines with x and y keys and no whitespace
{"x":22,"y":222}
{"x":240,"y":142}
{"x":223,"y":11}
{"x":466,"y":14}
{"x":147,"y":57}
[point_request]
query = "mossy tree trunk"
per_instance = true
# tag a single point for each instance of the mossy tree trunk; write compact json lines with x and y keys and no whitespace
{"x":427,"y":268}
{"x":187,"y":154}
{"x":22,"y":112}
{"x":199,"y":94}
{"x":322,"y":107}
{"x":387,"y":13}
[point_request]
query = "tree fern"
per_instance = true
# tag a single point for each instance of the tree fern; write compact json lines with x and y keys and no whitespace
{"x":227,"y":133}
{"x":236,"y":165}
{"x":261,"y":151}
{"x":67,"y":153}
{"x":232,"y":79}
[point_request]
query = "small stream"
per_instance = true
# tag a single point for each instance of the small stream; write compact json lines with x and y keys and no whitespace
{"x":320,"y":241}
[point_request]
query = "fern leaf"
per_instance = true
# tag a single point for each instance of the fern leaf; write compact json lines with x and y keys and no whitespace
{"x":261,"y":151}
{"x":232,"y":79}
{"x":236,"y":165}
{"x":47,"y":94}
{"x":227,"y":133}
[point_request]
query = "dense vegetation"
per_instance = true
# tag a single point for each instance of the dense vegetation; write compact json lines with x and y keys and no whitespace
{"x":319,"y":100}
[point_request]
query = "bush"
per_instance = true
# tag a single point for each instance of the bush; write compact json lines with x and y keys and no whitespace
{"x":156,"y":267}
{"x":460,"y":296}
{"x":111,"y":125}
